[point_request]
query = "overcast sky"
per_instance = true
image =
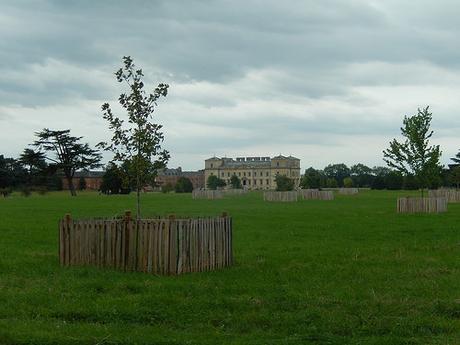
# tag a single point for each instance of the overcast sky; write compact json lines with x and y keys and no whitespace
{"x":327,"y":81}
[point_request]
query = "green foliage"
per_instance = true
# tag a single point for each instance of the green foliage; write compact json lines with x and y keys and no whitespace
{"x":331,"y":183}
{"x":414,"y":156}
{"x":137,"y":141}
{"x":235,"y":182}
{"x":378,"y":182}
{"x":66,"y":153}
{"x":12,"y":173}
{"x":41,"y":190}
{"x":82,"y":183}
{"x":183,"y":185}
{"x":167,"y":188}
{"x":362,"y":175}
{"x":347,"y":182}
{"x":411,"y":182}
{"x":337,"y":172}
{"x":112,"y":181}
{"x":25,"y":191}
{"x":312,"y":179}
{"x":456,"y":159}
{"x":454,"y":176}
{"x":394,"y":180}
{"x":214,"y":182}
{"x":284,"y":183}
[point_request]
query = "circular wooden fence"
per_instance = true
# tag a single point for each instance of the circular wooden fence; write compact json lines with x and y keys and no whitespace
{"x":421,"y":205}
{"x":348,"y":191}
{"x":315,"y":194}
{"x":232,"y":192}
{"x":207,"y":194}
{"x":167,"y":246}
{"x":452,"y":195}
{"x":290,"y":196}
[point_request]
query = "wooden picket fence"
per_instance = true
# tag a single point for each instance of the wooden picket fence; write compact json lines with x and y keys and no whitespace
{"x":166,"y":246}
{"x":452,"y":195}
{"x":421,"y":205}
{"x":289,"y":196}
{"x":348,"y":191}
{"x":235,"y":191}
{"x":207,"y":194}
{"x":315,"y":194}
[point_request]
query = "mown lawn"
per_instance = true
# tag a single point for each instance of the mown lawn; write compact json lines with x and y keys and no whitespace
{"x":348,"y":271}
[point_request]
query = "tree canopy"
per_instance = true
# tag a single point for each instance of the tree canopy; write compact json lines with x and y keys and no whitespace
{"x":415,"y":156}
{"x":284,"y":183}
{"x":138,"y":140}
{"x":235,"y":182}
{"x":456,"y":159}
{"x":337,"y":172}
{"x":214,"y":182}
{"x":66,"y":153}
{"x":183,"y":185}
{"x":312,"y":179}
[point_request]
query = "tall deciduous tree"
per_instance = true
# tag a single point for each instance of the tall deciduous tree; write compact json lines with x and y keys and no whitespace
{"x":137,"y":141}
{"x":66,"y":153}
{"x":415,"y":156}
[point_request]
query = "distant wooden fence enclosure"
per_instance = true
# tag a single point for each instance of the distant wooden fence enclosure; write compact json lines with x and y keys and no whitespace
{"x":315,"y":194}
{"x":452,"y":195}
{"x":234,"y":191}
{"x":161,"y":246}
{"x":348,"y":191}
{"x":421,"y":205}
{"x":289,"y":196}
{"x":207,"y":194}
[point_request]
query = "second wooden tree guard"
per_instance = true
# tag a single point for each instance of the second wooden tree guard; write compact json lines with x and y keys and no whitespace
{"x":166,"y":246}
{"x":421,"y":205}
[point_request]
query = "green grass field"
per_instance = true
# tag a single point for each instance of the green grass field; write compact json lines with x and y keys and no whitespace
{"x":348,"y":271}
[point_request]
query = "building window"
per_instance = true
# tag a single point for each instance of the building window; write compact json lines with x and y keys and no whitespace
{"x":267,"y":180}
{"x":222,"y":174}
{"x":249,"y":181}
{"x":261,"y":182}
{"x":255,"y":182}
{"x":239,"y":174}
{"x":261,"y":173}
{"x":228,"y":174}
{"x":244,"y":174}
{"x":277,"y":164}
{"x":249,"y":174}
{"x":267,"y":174}
{"x":212,"y":165}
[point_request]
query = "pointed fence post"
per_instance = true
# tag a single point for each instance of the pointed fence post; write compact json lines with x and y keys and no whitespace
{"x":171,"y":246}
{"x":125,"y":242}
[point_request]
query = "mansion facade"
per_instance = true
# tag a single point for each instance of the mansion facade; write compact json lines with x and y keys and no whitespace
{"x":254,"y":172}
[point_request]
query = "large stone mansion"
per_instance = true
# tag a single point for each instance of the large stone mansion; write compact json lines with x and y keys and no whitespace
{"x":254,"y":172}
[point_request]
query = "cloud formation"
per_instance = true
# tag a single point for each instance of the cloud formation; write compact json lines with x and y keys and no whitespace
{"x":327,"y":81}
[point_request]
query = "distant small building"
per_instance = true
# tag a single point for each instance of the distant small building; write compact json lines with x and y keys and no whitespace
{"x":93,"y":180}
{"x":172,"y":175}
{"x":254,"y":172}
